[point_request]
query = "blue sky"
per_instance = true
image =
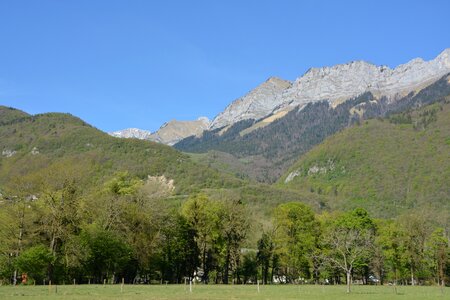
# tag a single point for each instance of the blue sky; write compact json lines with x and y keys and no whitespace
{"x":119,"y":64}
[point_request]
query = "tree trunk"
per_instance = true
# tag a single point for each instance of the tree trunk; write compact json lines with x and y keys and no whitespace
{"x":349,"y":280}
{"x":205,"y":273}
{"x":412,"y":276}
{"x":19,"y":241}
{"x":395,"y":281}
{"x":227,"y":266}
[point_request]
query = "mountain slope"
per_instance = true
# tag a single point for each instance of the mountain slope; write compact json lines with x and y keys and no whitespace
{"x":31,"y":143}
{"x":9,"y":114}
{"x":384,"y":165}
{"x":272,"y":149}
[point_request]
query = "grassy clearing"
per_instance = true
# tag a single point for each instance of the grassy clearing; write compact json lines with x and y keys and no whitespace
{"x":133,"y":292}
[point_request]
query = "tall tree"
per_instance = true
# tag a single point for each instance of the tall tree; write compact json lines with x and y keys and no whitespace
{"x":235,"y":225}
{"x":107,"y":253}
{"x":350,"y":241}
{"x":296,"y":235}
{"x":416,"y":228}
{"x":17,"y":219}
{"x":204,"y":217}
{"x":439,"y":253}
{"x":179,"y":254}
{"x":389,"y":241}
{"x":265,"y":255}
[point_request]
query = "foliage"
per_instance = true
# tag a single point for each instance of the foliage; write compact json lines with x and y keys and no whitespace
{"x":385,"y":167}
{"x":35,"y":262}
{"x":349,"y":242}
{"x":43,"y":140}
{"x":107,"y":253}
{"x":296,"y":236}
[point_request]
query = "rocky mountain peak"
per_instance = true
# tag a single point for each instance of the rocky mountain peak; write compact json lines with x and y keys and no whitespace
{"x":334,"y":84}
{"x":132,"y":133}
{"x":204,"y":120}
{"x":169,"y":133}
{"x":254,"y":105}
{"x":173,"y":131}
{"x":444,"y":58}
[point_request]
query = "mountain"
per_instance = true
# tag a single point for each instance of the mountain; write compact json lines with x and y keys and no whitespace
{"x":256,"y":104}
{"x":169,"y":133}
{"x":275,"y":97}
{"x":384,"y":165}
{"x":345,"y":94}
{"x":135,"y":133}
{"x":30,"y":144}
{"x":174,"y":131}
{"x":333,"y":84}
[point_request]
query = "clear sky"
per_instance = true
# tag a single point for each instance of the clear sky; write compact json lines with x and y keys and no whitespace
{"x":129,"y":63}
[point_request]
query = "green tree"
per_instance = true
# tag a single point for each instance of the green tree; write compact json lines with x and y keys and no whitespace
{"x":34,"y":262}
{"x":235,"y":226}
{"x":296,"y":236}
{"x":249,"y":267}
{"x":204,"y":216}
{"x":350,"y":241}
{"x":179,"y":252}
{"x":389,"y":240}
{"x":439,"y":254}
{"x":416,"y":228}
{"x":265,"y":255}
{"x":107,"y":254}
{"x":17,"y":217}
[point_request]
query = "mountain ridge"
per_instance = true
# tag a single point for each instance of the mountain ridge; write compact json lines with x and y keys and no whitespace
{"x":271,"y":149}
{"x":275,"y":97}
{"x":169,"y":133}
{"x":337,"y":83}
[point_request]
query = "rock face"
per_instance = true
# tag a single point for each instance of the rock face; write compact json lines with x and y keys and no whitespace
{"x":254,"y":105}
{"x":169,"y":133}
{"x":334,"y":84}
{"x":8,"y":153}
{"x":132,"y":133}
{"x":172,"y":132}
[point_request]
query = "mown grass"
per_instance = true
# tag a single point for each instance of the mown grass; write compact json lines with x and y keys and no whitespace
{"x":221,"y":292}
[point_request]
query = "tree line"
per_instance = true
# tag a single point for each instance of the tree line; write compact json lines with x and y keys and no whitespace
{"x":136,"y":231}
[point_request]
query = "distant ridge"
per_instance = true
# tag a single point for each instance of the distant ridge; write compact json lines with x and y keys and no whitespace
{"x":169,"y":133}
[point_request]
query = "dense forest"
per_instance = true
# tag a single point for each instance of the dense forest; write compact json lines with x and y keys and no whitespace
{"x":50,"y":231}
{"x":386,"y":165}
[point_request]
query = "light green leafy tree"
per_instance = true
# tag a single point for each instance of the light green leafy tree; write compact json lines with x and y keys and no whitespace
{"x":296,"y":235}
{"x":350,"y":242}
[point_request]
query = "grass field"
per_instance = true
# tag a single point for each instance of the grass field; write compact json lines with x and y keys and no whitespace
{"x":179,"y":292}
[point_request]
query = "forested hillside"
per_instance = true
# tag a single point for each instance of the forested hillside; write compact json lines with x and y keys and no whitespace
{"x":271,"y":150}
{"x":31,"y":143}
{"x":387,"y":165}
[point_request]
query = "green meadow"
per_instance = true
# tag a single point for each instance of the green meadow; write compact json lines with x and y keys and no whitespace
{"x":221,"y":292}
